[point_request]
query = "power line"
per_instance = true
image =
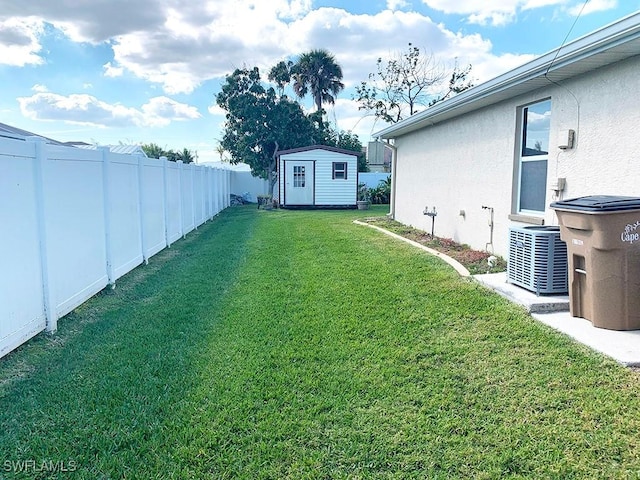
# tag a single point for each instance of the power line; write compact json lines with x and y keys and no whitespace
{"x":566,"y":37}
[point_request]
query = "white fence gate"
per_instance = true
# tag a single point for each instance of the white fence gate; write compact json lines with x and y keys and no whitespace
{"x":73,"y":221}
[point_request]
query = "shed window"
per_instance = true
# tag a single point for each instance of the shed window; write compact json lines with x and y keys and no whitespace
{"x":339,"y":170}
{"x":533,"y":158}
{"x":298,"y":176}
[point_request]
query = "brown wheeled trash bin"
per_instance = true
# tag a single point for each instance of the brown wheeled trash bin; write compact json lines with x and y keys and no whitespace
{"x":602,"y":234}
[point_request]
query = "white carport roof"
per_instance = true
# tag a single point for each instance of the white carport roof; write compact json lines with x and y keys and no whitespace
{"x":122,"y":149}
{"x":613,"y":43}
{"x":236,"y":167}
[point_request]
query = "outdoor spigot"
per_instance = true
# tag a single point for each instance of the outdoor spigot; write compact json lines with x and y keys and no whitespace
{"x":431,"y":213}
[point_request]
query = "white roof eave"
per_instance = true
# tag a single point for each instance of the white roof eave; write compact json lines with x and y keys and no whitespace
{"x":610,"y":44}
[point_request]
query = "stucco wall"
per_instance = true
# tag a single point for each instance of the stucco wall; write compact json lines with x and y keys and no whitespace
{"x":466,"y":163}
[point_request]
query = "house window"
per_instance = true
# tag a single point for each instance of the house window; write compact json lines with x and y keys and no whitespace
{"x":298,"y":176}
{"x":339,"y":170}
{"x":533,"y":158}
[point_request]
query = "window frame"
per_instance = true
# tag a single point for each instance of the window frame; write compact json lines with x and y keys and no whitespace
{"x":299,"y":176}
{"x":335,"y":170}
{"x":522,"y":158}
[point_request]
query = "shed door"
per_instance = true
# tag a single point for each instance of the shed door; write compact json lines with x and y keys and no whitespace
{"x":298,"y":182}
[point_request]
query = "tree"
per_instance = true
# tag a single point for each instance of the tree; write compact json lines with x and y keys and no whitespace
{"x":156,"y":151}
{"x":185,"y":155}
{"x":280,"y":74}
{"x":153,"y":150}
{"x":258,"y":123}
{"x":406,"y":82}
{"x":318,"y":73}
{"x":350,"y":141}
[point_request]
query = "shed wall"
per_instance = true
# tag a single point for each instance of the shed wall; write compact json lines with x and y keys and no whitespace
{"x":328,"y":192}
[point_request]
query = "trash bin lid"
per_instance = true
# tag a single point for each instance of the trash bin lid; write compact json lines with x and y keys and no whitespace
{"x":598,"y":203}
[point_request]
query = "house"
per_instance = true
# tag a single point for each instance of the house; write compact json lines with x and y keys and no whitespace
{"x":495,"y":156}
{"x":7,"y":131}
{"x":379,"y":157}
{"x":317,"y":176}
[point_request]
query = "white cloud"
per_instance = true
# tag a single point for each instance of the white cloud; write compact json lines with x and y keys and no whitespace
{"x":501,"y":12}
{"x":397,"y":4}
{"x":19,"y":45}
{"x":494,"y":12}
{"x":111,"y":71}
{"x":181,"y":46}
{"x":163,"y":110}
{"x":177,"y":46}
{"x":39,"y":88}
{"x":592,"y":7}
{"x":83,"y":109}
{"x":214,"y":109}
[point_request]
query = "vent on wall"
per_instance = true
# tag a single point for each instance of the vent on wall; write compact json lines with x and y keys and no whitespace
{"x":538,"y":259}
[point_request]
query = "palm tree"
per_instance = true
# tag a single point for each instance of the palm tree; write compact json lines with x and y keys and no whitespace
{"x":317,"y":72}
{"x":185,"y":155}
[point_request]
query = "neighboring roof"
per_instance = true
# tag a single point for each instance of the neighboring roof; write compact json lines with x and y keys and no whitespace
{"x":123,"y":149}
{"x":319,"y":147}
{"x":236,"y":167}
{"x":613,"y":43}
{"x":19,"y":134}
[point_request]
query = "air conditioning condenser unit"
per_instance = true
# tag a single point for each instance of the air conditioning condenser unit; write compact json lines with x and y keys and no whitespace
{"x":538,"y":259}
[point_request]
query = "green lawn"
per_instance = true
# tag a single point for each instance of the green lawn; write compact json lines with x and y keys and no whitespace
{"x":294,"y":344}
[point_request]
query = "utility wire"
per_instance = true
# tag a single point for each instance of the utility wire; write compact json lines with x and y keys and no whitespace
{"x":566,"y":37}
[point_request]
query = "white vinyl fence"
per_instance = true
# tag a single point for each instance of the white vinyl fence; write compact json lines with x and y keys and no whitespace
{"x":74,"y":221}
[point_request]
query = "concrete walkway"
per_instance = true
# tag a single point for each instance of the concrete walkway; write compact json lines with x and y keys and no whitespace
{"x":553,"y":310}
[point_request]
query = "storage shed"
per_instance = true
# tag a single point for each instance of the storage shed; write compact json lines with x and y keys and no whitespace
{"x":318,"y":176}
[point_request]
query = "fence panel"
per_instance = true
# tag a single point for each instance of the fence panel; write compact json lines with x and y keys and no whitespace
{"x":215,"y":186}
{"x":125,"y":235}
{"x":186,"y":178}
{"x":74,"y":216}
{"x":197,"y":195}
{"x":22,"y":313}
{"x":174,"y":202}
{"x":152,"y":201}
{"x":74,"y":220}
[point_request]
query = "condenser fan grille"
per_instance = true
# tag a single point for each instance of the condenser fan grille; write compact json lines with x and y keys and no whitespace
{"x":538,"y":259}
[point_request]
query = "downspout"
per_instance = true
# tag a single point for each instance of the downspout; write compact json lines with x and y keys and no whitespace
{"x":392,"y":200}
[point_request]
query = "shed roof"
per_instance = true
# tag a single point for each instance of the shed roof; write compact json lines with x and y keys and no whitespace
{"x":612,"y":43}
{"x":319,"y":147}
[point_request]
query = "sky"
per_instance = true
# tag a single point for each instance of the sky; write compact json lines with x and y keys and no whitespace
{"x":147,"y":71}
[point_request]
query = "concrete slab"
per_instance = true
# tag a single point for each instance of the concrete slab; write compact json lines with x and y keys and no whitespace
{"x":532,"y":302}
{"x":622,"y":346}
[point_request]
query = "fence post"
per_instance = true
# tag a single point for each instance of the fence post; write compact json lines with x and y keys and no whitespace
{"x":141,"y":158}
{"x":165,"y":200}
{"x":106,"y":178}
{"x":219,"y":185}
{"x":227,"y":188}
{"x":204,"y":194}
{"x":214,"y":187}
{"x":180,"y":193}
{"x":192,"y":196}
{"x":212,"y":192}
{"x":50,"y":311}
